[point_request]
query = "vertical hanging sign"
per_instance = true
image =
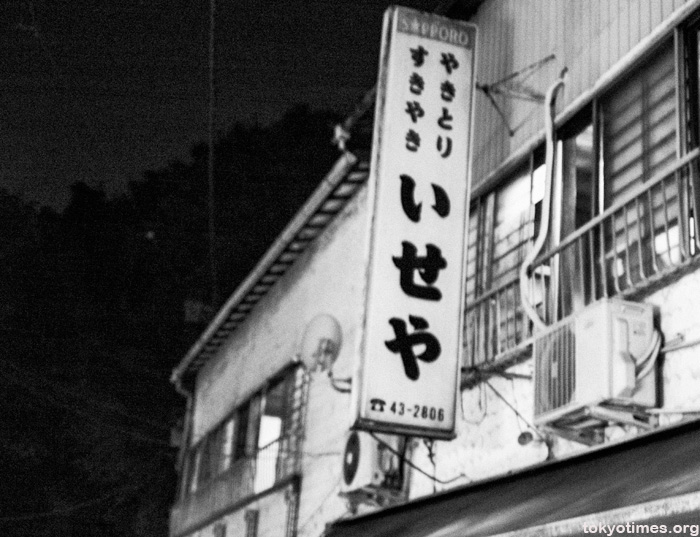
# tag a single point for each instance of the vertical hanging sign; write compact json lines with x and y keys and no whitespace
{"x":407,"y":377}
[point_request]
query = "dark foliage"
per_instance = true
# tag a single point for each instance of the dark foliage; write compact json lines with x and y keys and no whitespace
{"x":92,"y":323}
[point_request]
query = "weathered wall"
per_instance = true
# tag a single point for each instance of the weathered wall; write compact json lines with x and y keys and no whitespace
{"x":328,"y":278}
{"x":487,"y":441}
{"x":488,"y":428}
{"x":680,"y":323}
{"x":328,"y":411}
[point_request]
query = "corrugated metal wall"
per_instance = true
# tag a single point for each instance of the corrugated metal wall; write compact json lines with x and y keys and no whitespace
{"x":587,"y":37}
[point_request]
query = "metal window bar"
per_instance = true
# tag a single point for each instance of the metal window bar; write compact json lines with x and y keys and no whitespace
{"x":245,"y":477}
{"x":632,"y":244}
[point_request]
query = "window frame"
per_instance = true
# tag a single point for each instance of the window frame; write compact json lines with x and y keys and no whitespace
{"x":207,"y":459}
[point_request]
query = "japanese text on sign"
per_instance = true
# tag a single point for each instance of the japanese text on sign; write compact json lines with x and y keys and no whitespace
{"x":411,"y":347}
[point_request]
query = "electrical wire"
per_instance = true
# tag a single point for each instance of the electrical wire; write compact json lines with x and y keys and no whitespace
{"x":49,"y":399}
{"x":416,"y":467}
{"x":332,"y":491}
{"x":210,"y":164}
{"x":517,"y":413}
{"x":87,"y":399}
{"x":152,"y":474}
{"x":68,"y":509}
{"x":485,"y":408}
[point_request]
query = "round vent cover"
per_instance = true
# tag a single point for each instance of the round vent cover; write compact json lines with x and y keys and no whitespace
{"x":351,"y":460}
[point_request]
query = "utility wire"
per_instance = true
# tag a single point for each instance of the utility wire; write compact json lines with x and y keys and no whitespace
{"x":416,"y":467}
{"x":90,"y":419}
{"x":517,"y":413}
{"x":153,"y":473}
{"x":66,"y":510}
{"x":210,"y":164}
{"x":87,"y":399}
{"x":320,"y":505}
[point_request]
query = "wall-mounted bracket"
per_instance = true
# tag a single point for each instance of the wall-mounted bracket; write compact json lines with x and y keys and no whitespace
{"x":513,"y":86}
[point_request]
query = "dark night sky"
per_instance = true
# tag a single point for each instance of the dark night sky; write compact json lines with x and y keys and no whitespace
{"x":99,"y":91}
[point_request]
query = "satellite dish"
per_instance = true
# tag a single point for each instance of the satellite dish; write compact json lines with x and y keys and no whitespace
{"x":351,"y":459}
{"x":321,"y":342}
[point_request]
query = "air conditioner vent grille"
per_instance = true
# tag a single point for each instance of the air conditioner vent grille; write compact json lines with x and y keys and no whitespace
{"x":555,"y":358}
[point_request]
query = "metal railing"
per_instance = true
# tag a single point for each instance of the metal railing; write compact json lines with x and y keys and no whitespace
{"x":495,"y":324}
{"x":640,"y":240}
{"x":245,"y":478}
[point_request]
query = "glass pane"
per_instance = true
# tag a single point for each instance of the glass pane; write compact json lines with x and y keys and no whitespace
{"x":512,"y":229}
{"x":227,"y":444}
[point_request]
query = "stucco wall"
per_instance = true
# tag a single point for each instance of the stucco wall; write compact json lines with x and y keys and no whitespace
{"x":329,"y":279}
{"x":488,"y":428}
{"x":487,"y":441}
{"x":680,"y":323}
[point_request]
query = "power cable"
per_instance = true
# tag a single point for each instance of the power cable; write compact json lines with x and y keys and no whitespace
{"x":210,"y":164}
{"x":88,"y":399}
{"x":48,"y":399}
{"x":320,"y":505}
{"x":517,"y":413}
{"x":66,"y":510}
{"x":153,"y":473}
{"x":416,"y":467}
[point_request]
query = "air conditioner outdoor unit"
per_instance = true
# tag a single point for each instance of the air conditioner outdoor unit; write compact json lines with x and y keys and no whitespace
{"x":597,"y":366}
{"x":372,"y":469}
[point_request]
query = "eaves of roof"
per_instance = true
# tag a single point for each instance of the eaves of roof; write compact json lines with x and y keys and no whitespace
{"x":329,"y":198}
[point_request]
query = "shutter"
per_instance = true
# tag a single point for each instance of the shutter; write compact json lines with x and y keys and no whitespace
{"x":640,"y":141}
{"x":639,"y":125}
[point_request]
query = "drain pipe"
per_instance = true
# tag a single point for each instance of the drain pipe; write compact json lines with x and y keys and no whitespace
{"x":550,"y":111}
{"x":186,"y":430}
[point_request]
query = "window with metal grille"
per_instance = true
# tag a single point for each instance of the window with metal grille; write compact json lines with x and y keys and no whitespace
{"x":502,"y":225}
{"x":256,"y":443}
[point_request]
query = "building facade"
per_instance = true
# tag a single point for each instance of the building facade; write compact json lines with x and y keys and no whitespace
{"x":580,"y":336}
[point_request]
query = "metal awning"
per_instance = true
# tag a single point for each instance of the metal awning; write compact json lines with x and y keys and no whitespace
{"x":651,"y":479}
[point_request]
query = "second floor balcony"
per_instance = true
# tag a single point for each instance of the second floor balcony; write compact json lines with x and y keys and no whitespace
{"x":639,"y":243}
{"x":270,"y":467}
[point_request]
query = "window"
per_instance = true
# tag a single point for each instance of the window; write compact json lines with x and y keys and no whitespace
{"x":502,"y":226}
{"x":227,"y":444}
{"x":253,"y":442}
{"x":623,"y":201}
{"x":575,"y":203}
{"x":640,"y":142}
{"x":623,"y":204}
{"x":192,"y":473}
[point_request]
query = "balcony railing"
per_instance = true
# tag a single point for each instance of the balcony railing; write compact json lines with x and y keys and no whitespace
{"x":637,"y":242}
{"x":245,"y":478}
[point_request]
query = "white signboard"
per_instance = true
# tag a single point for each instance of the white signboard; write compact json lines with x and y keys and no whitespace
{"x":408,"y":373}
